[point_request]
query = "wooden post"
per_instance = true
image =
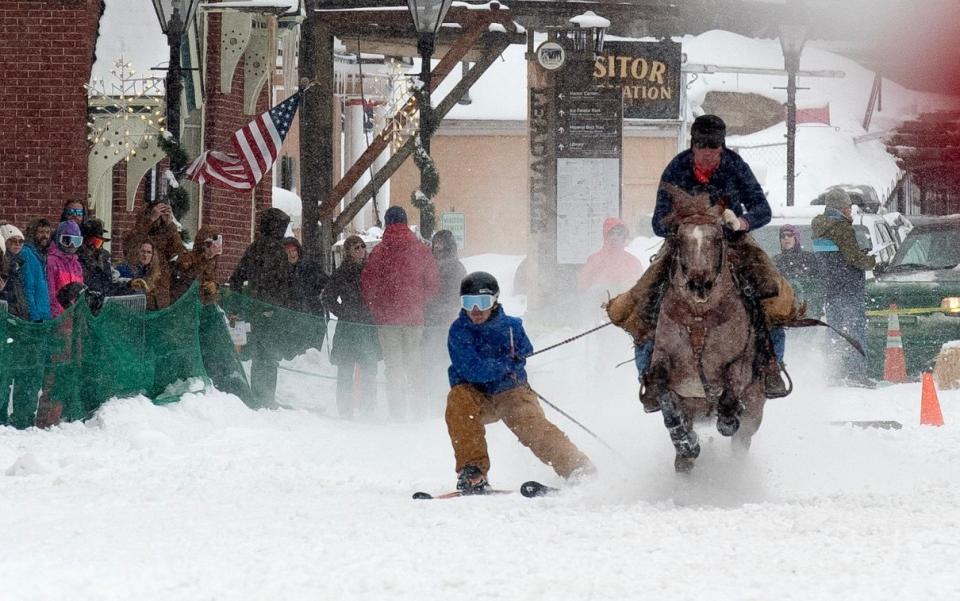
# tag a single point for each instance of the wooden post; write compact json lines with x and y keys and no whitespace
{"x":316,"y":132}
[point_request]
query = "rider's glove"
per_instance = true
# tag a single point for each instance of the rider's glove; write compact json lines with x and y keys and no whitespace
{"x":733,"y":222}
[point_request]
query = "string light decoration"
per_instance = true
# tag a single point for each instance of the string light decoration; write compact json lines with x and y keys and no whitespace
{"x":126,"y":115}
{"x":400,"y":114}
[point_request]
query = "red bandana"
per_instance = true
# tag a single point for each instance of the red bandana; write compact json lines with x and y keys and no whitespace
{"x":702,"y":174}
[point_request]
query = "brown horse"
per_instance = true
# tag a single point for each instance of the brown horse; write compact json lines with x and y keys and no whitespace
{"x":703,"y":356}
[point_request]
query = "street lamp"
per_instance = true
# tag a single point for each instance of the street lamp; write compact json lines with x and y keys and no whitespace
{"x":174,"y":16}
{"x":427,"y":16}
{"x":792,"y":38}
{"x":586,"y":26}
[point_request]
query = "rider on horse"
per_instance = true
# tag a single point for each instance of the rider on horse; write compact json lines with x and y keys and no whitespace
{"x":708,"y":167}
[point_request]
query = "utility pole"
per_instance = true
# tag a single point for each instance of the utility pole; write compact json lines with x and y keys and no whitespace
{"x":316,"y":134}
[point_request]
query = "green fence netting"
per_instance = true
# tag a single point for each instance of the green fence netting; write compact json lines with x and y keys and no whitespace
{"x":76,"y":362}
{"x":80,"y":360}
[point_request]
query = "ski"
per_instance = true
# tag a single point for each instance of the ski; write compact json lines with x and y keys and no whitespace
{"x":535,"y":489}
{"x":459,"y":493}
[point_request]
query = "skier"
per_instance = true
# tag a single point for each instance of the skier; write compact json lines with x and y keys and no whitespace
{"x":488,"y":383}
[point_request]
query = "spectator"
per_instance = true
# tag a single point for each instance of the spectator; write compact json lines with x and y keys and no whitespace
{"x":841,"y":267}
{"x":34,"y":271}
{"x":97,"y":268}
{"x":11,"y":272}
{"x":156,"y":225}
{"x":74,"y":210}
{"x":264,"y":270}
{"x":63,"y":266}
{"x":439,"y":314}
{"x":356,"y":348}
{"x":799,"y":267}
{"x":400,"y":278}
{"x":199,"y":264}
{"x":151,"y":277}
{"x":307,"y":279}
{"x":611,"y":269}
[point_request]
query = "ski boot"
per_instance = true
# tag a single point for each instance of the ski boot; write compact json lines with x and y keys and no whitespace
{"x":471,"y":481}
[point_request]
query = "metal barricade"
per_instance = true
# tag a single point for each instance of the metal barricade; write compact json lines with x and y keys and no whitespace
{"x":136,"y":303}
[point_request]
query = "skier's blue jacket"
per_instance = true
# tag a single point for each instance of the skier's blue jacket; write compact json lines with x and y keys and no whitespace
{"x":481,"y":355}
{"x":733,"y":182}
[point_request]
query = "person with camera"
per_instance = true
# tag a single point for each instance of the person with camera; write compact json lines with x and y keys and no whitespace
{"x":157,"y":225}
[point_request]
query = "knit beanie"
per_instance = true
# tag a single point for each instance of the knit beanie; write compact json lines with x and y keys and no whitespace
{"x":395,"y":214}
{"x":836,"y":199}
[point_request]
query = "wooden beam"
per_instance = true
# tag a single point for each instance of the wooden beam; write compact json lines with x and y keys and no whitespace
{"x":377,"y":43}
{"x":362,"y":197}
{"x":450,"y":60}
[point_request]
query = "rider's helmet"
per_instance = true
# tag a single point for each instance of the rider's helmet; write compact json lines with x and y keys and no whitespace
{"x":479,"y":282}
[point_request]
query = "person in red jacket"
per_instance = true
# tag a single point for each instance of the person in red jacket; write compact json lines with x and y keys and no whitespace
{"x":611,"y":268}
{"x":399,"y":279}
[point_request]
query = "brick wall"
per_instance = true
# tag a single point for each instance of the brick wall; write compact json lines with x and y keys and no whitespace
{"x":230,"y":210}
{"x":46,"y":54}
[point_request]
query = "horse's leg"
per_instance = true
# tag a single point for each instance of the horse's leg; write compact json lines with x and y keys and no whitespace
{"x":680,"y":427}
{"x":754,"y":400}
{"x":729,"y":410}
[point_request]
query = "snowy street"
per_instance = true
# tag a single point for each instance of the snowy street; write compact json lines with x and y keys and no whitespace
{"x":206,"y":499}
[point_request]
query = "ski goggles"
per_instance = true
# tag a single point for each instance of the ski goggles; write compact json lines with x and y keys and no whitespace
{"x":215,"y":244}
{"x":68,"y":240}
{"x":483,"y":302}
{"x":75,"y":212}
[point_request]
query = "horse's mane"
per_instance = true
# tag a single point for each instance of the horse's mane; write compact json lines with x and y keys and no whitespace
{"x":688,"y":206}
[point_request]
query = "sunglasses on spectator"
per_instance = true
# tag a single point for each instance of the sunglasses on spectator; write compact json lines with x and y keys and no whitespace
{"x":786,"y":235}
{"x":356,"y":246}
{"x":68,"y":240}
{"x":482,"y":302}
{"x":76,"y":212}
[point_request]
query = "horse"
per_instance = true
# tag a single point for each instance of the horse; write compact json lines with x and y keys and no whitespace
{"x":705,"y":342}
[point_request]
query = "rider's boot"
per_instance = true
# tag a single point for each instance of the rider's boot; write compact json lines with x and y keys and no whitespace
{"x":774,"y":386}
{"x":648,"y":396}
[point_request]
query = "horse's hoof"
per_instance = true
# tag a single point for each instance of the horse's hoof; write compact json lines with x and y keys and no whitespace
{"x":688,"y":447}
{"x":682,"y":465}
{"x":728,"y":425}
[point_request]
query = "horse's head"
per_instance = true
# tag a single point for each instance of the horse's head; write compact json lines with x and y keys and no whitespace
{"x":699,"y":243}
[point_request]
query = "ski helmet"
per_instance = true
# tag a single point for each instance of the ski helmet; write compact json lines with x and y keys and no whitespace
{"x":479,"y":282}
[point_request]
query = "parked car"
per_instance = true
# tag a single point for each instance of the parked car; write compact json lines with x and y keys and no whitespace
{"x":923,"y":281}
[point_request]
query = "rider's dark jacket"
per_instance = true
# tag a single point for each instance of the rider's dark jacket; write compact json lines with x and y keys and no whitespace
{"x":732,"y":182}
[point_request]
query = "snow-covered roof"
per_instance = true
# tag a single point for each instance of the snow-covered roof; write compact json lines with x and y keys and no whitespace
{"x":130,"y":30}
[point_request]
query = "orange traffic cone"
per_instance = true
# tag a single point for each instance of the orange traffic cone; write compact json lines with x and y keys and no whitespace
{"x":930,"y":414}
{"x":894,"y":361}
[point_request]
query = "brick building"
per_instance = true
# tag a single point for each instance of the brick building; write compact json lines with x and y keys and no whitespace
{"x":46,"y":53}
{"x":49,"y":46}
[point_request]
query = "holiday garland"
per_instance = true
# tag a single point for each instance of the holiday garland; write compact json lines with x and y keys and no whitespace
{"x":178,"y":197}
{"x":422,"y":198}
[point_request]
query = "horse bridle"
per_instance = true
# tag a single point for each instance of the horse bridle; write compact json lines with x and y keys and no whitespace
{"x":721,"y":257}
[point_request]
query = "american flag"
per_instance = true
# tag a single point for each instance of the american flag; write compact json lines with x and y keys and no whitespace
{"x":257,"y":145}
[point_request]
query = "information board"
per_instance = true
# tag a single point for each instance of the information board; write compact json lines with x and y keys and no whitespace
{"x":588,"y":191}
{"x":456,"y":223}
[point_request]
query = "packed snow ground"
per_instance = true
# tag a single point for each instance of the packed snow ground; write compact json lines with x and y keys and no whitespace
{"x":206,"y":499}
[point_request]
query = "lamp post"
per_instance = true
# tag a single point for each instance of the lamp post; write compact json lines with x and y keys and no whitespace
{"x":792,"y":38}
{"x":427,"y":16}
{"x":585,"y":27}
{"x":174,"y":16}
